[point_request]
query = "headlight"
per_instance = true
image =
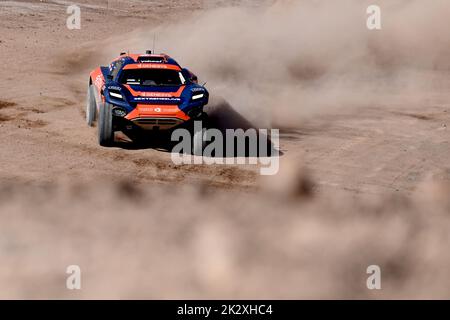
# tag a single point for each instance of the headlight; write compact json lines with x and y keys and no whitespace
{"x":115,"y":95}
{"x":119,"y":112}
{"x":198,"y":96}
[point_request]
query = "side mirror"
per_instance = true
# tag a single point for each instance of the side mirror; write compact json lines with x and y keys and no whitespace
{"x":189,"y":75}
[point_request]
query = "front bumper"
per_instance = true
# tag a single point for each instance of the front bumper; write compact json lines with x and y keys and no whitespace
{"x":157,"y":117}
{"x":159,"y":123}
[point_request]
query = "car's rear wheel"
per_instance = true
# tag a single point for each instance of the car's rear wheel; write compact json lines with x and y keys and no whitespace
{"x":105,"y":126}
{"x":91,"y":106}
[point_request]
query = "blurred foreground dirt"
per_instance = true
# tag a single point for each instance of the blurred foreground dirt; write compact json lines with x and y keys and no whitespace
{"x":142,"y":241}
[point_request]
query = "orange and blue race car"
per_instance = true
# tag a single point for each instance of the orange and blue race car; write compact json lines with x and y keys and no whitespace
{"x":143,"y":93}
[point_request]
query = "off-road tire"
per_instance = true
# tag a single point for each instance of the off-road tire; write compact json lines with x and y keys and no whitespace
{"x":105,"y":126}
{"x":91,"y":106}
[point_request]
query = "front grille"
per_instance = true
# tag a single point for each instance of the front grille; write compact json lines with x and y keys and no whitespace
{"x":160,"y":123}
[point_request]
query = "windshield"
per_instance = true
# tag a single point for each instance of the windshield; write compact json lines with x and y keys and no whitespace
{"x":152,"y":77}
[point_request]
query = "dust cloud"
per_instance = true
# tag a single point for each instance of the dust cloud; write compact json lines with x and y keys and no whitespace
{"x":292,"y":59}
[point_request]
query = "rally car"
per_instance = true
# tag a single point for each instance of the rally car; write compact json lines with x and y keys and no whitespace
{"x":140,"y":93}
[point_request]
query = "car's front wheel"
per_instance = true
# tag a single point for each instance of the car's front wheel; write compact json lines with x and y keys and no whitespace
{"x":91,"y":106}
{"x":105,"y":126}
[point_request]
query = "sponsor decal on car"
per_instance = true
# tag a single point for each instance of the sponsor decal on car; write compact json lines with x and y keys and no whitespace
{"x":156,"y":99}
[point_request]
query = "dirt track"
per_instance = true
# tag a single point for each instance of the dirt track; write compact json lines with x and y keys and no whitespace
{"x":42,"y":118}
{"x":374,"y":151}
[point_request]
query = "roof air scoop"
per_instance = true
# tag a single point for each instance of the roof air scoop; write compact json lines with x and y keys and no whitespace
{"x":151,"y":59}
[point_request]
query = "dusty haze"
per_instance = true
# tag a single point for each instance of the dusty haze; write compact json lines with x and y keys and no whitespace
{"x":294,"y":58}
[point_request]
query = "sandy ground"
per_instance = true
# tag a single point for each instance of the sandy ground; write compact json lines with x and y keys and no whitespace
{"x":358,"y":186}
